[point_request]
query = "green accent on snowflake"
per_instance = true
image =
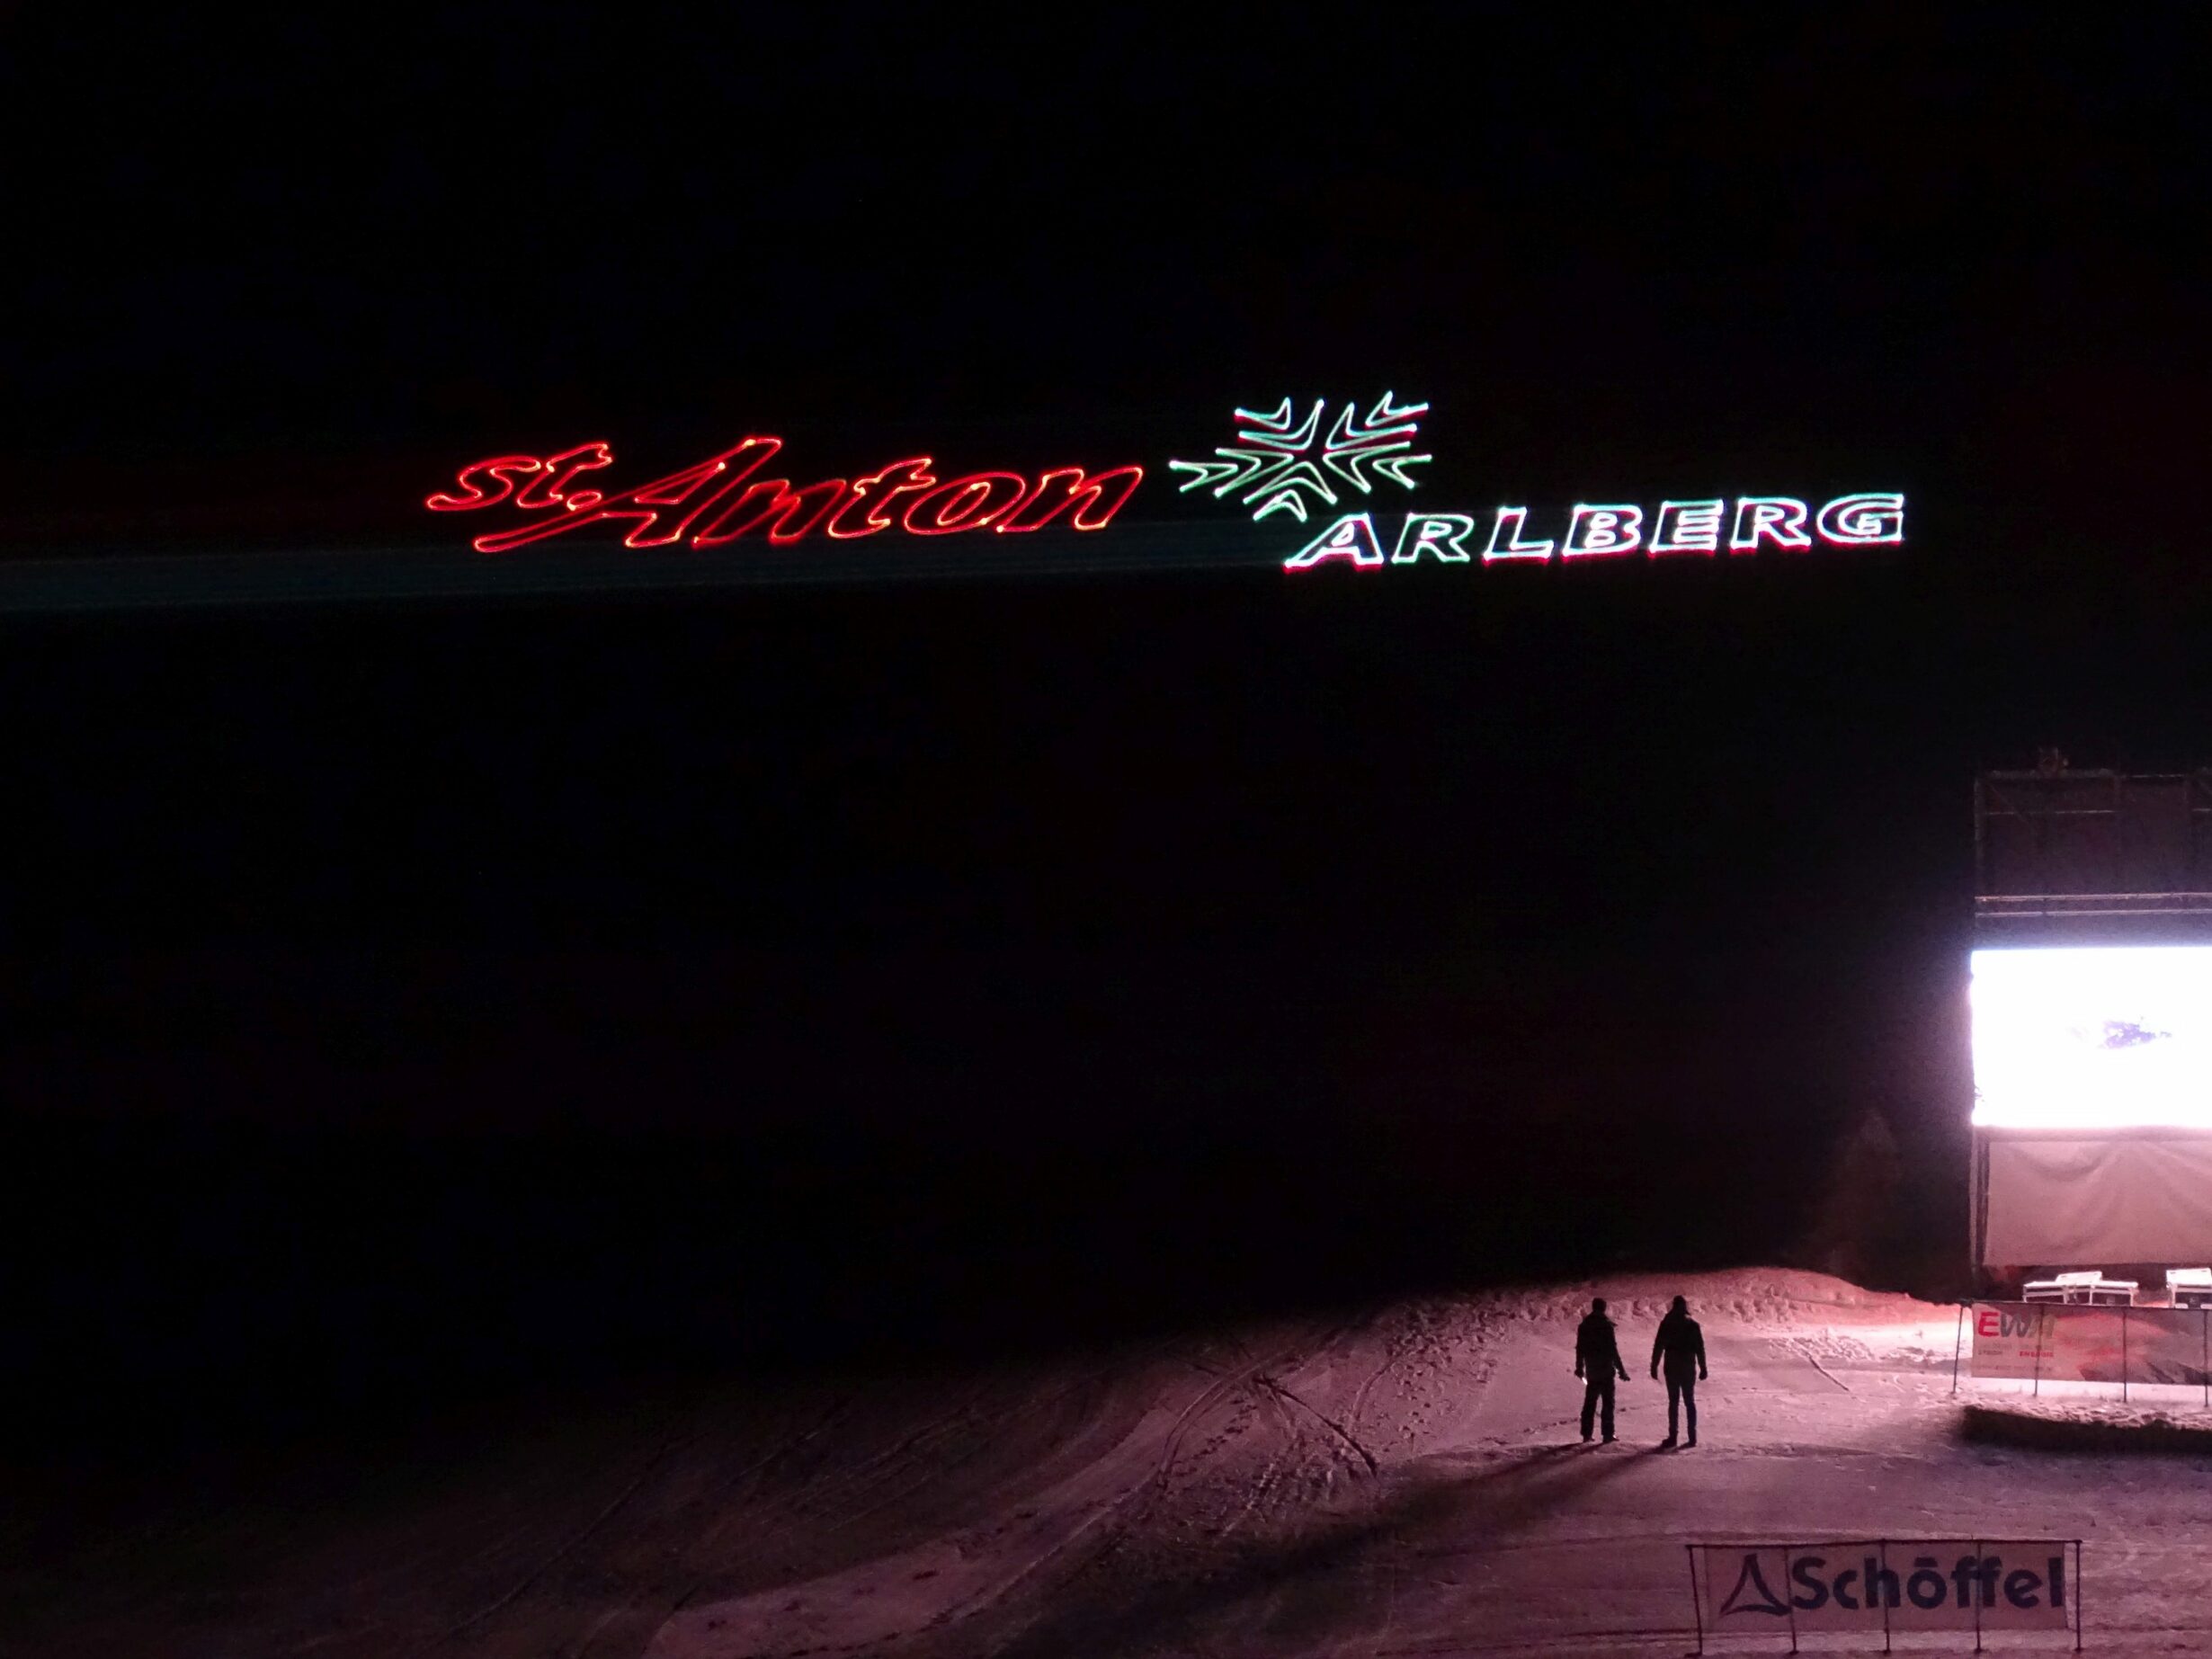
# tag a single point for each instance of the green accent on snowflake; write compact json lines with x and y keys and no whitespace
{"x":1276,"y":456}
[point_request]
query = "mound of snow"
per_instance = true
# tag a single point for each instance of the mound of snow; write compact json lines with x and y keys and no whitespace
{"x":2089,"y":1425}
{"x":1771,"y":1296}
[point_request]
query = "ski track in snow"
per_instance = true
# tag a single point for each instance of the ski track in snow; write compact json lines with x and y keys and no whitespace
{"x":1406,"y":1482}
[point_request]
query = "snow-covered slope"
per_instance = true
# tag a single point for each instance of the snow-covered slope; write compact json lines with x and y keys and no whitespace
{"x":1404,"y":1480}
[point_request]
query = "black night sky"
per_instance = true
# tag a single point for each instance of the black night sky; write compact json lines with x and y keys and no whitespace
{"x":763,"y":976}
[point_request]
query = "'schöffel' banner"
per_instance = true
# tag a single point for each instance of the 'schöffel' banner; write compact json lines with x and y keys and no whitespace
{"x":1870,"y":1586}
{"x":2055,"y":1341}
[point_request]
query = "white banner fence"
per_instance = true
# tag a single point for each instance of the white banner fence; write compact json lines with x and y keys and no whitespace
{"x":2038,"y":1343}
{"x":1887,"y":1587}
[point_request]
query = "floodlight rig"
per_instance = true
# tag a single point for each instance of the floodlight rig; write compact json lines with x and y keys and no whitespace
{"x":2076,"y":864}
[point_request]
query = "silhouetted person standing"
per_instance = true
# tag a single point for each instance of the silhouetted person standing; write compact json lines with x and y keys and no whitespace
{"x":1597,"y":1361}
{"x":1680,"y":1346}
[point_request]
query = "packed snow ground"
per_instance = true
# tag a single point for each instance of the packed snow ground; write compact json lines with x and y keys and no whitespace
{"x":1404,"y":1482}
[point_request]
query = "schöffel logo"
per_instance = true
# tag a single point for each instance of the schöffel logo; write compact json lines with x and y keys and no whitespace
{"x":1875,"y":1584}
{"x":1752,"y":1594}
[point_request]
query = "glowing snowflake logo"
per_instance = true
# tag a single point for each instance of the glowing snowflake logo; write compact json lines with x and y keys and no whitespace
{"x":1273,"y":459}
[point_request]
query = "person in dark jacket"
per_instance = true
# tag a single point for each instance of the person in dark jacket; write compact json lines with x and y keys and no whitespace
{"x":1681,"y":1347}
{"x":1597,"y":1361}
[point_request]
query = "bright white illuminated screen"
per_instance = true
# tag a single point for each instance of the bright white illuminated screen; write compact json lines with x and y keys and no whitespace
{"x":2093,"y":1038}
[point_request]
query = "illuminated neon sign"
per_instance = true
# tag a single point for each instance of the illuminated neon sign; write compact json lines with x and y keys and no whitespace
{"x":1276,"y":457}
{"x":1272,"y":460}
{"x":725,"y":498}
{"x":1617,"y":532}
{"x":1280,"y":462}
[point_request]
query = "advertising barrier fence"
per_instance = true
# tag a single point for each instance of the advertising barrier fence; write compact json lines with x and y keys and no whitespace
{"x":1865,"y":1587}
{"x":2055,"y":1341}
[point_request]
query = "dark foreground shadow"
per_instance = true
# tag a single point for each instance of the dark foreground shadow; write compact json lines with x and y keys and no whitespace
{"x":203,"y":1285}
{"x":322,"y":1194}
{"x":1318,"y":1588}
{"x":1996,"y":1425}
